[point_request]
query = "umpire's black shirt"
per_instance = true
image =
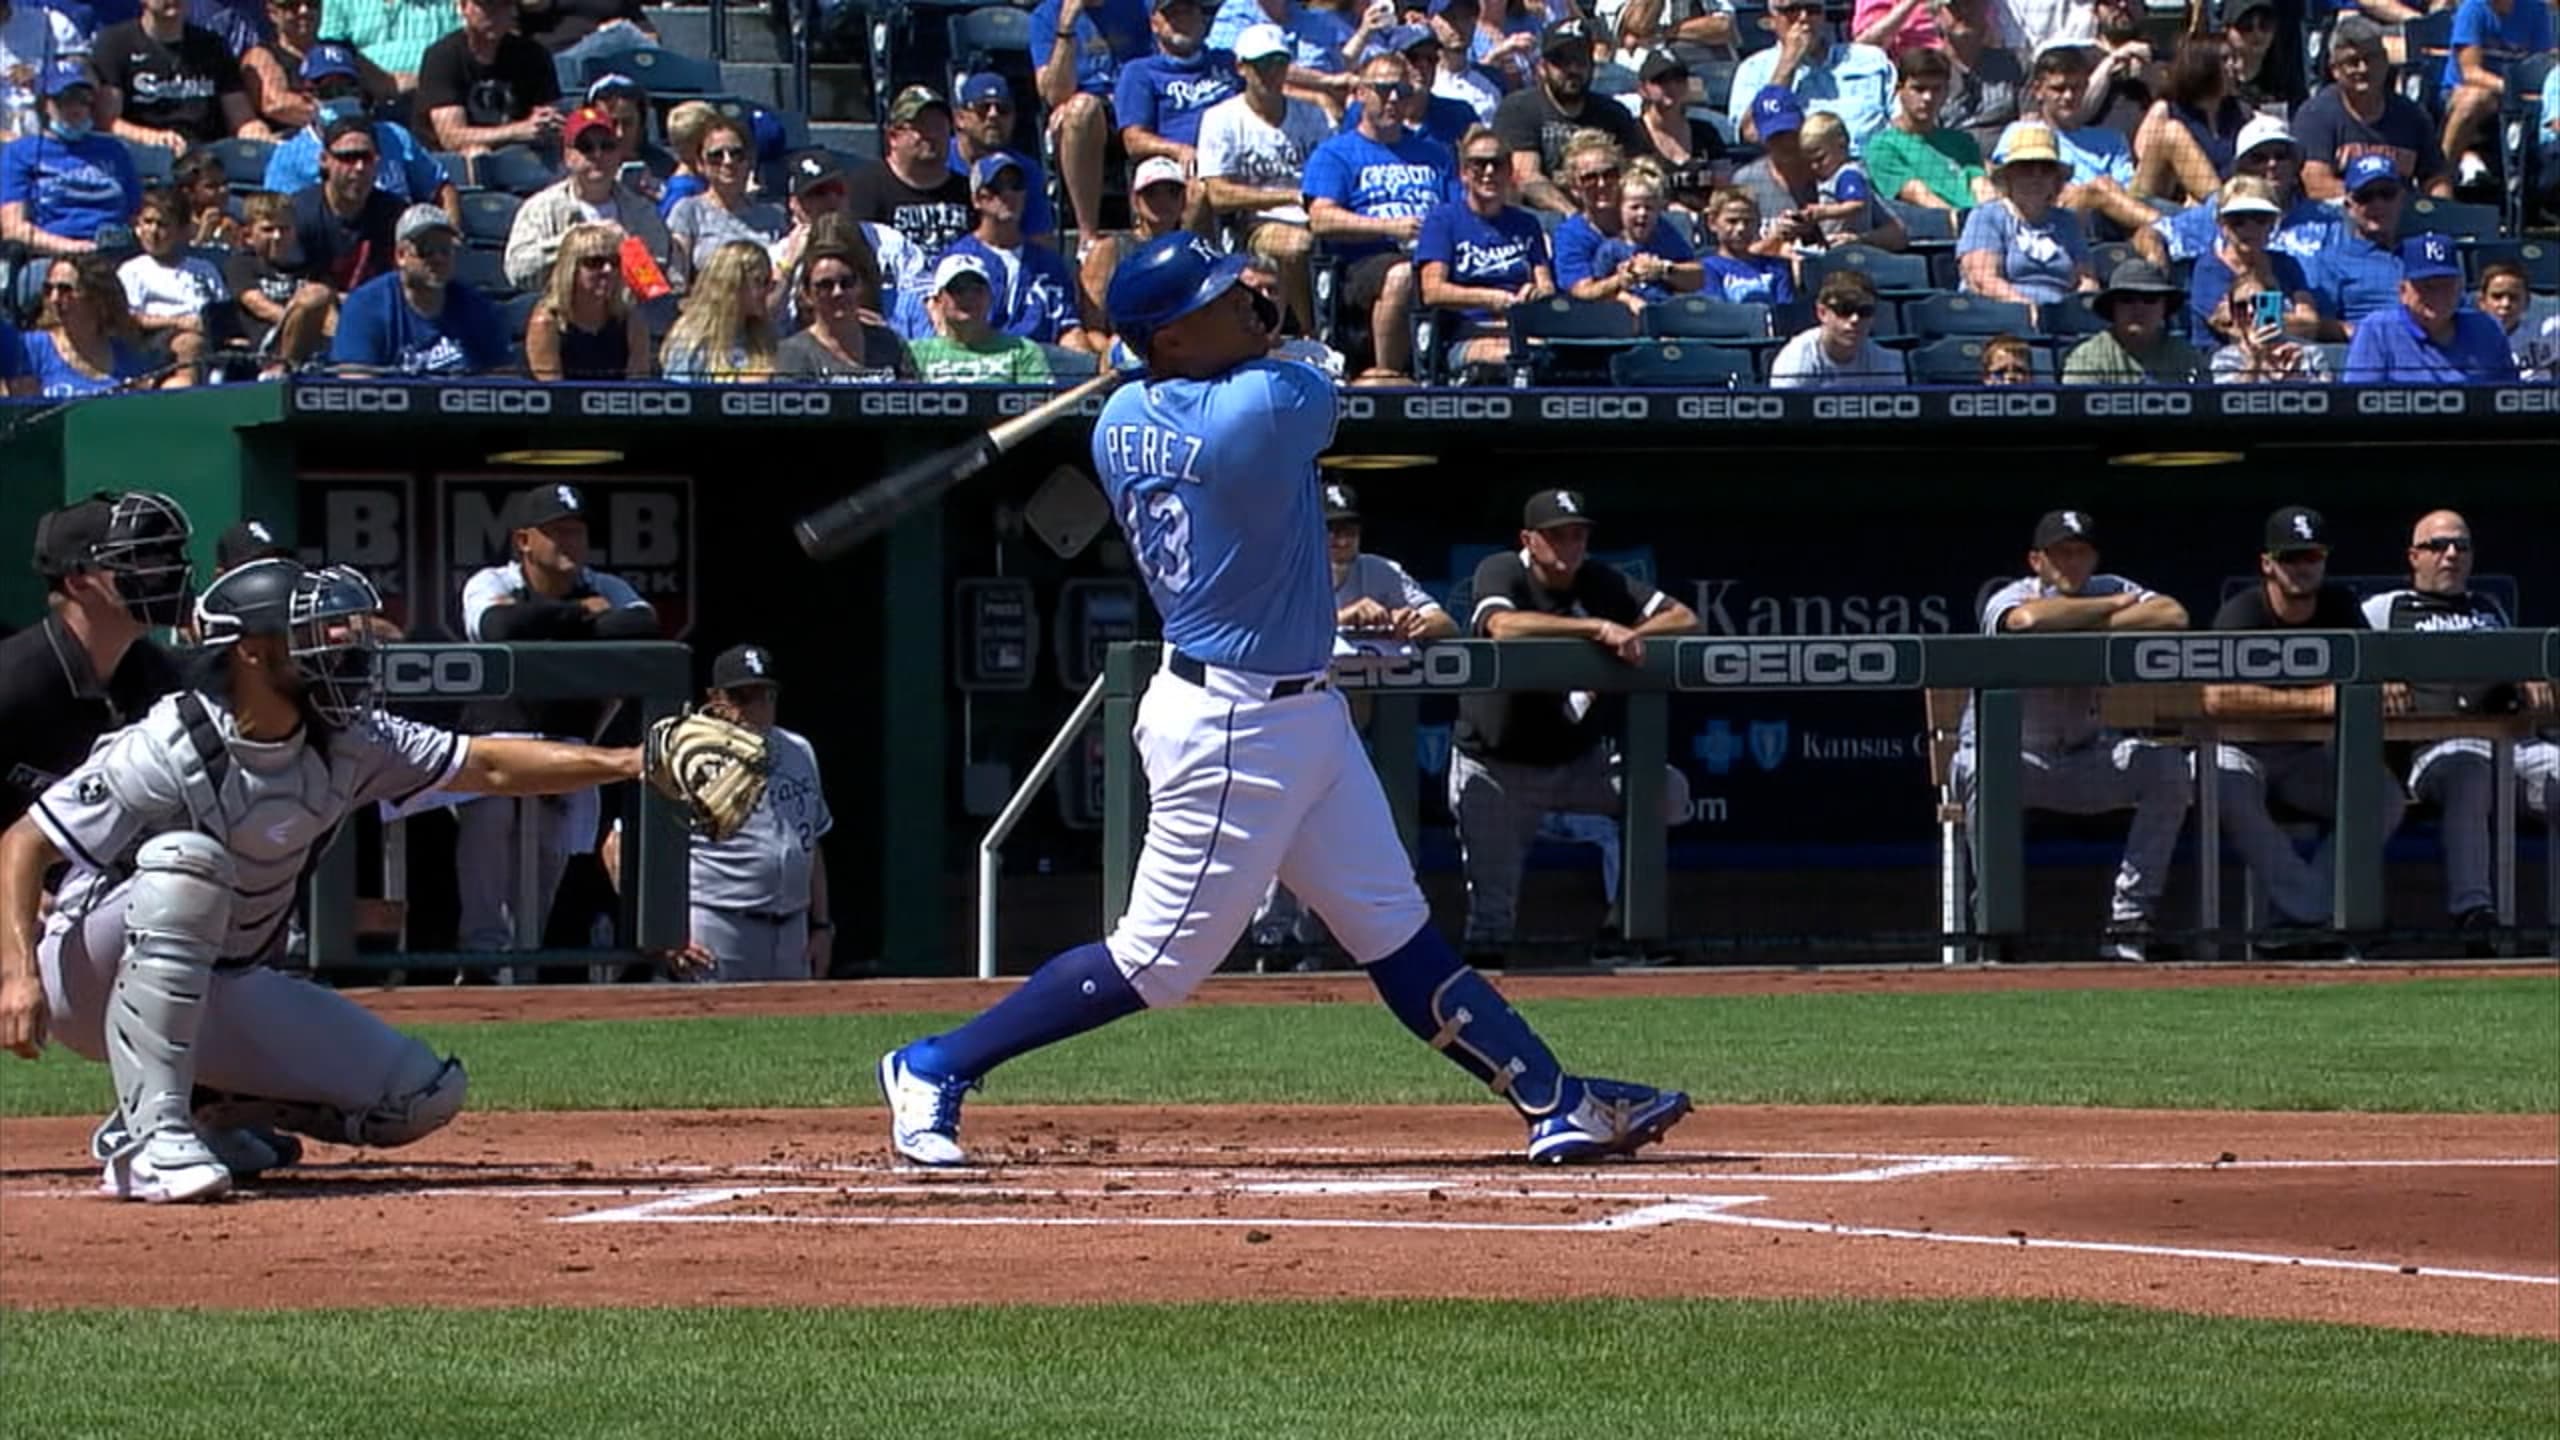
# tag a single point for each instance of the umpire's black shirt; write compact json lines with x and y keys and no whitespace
{"x":52,"y":708}
{"x":1527,"y":728}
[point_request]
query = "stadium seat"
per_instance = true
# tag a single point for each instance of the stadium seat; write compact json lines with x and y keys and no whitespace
{"x":457,"y":168}
{"x":1926,"y":227}
{"x":2104,"y":258}
{"x":1684,"y":367}
{"x":487,"y":216}
{"x":1940,"y":316}
{"x":2540,"y":259}
{"x":1715,"y":83}
{"x":661,"y":72}
{"x":2070,"y":318}
{"x":1695,"y":317}
{"x":1539,"y":331}
{"x":484,"y":270}
{"x":2467,"y":223}
{"x":152,"y":164}
{"x":1896,"y":277}
{"x":515,"y":169}
{"x":243,"y":159}
{"x":979,"y":35}
{"x":2427,"y":41}
{"x":517,"y":310}
{"x":1959,"y":361}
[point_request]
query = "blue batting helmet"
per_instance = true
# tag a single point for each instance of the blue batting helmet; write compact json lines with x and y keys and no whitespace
{"x":1169,"y":277}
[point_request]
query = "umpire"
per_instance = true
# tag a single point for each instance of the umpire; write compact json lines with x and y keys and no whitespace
{"x":760,"y":896}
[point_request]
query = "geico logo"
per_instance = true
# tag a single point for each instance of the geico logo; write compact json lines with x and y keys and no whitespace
{"x":1801,"y":662}
{"x":1730,"y":407}
{"x":915,"y":402}
{"x":493,"y":402}
{"x":1457,"y":407}
{"x":2239,"y":657}
{"x":1436,"y":667}
{"x":2409,"y":402}
{"x":1595,"y":407}
{"x":1999,"y":402}
{"x":432,"y":672}
{"x":1866,"y":407}
{"x":1355,"y":407}
{"x":780,"y":402}
{"x":635,"y":402}
{"x":2274,"y":400}
{"x":2526,"y":402}
{"x":356,"y":399}
{"x":2140,"y":402}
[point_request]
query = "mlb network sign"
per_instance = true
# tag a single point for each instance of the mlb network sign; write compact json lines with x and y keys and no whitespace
{"x":1813,"y":664}
{"x":2261,"y":659}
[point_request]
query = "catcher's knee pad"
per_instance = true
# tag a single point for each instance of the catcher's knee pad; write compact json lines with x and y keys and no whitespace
{"x":1477,"y":1028}
{"x":423,"y":1099}
{"x":177,"y":914}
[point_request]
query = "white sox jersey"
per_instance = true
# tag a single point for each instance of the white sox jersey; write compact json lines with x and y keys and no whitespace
{"x":272,"y":803}
{"x":2056,"y":719}
{"x":500,"y":584}
{"x":1375,"y":577}
{"x":765,"y":866}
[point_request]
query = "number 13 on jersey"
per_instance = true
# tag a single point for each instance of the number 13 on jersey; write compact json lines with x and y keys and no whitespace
{"x":1160,"y":532}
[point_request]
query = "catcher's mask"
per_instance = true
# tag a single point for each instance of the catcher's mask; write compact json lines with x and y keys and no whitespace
{"x":323,"y":616}
{"x":141,"y":540}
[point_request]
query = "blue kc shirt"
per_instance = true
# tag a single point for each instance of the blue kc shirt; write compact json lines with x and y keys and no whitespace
{"x":2503,"y":39}
{"x":1214,"y":482}
{"x":408,"y":169}
{"x":2389,"y":348}
{"x":1496,"y":253}
{"x":376,"y":326}
{"x":1166,"y":95}
{"x":2355,"y":277}
{"x":1107,"y":36}
{"x":1379,"y":182}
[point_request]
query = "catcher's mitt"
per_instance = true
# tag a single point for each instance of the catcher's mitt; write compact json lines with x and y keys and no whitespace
{"x":715,"y":767}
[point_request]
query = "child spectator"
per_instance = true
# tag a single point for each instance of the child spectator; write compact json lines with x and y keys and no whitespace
{"x":177,"y":300}
{"x":584,"y":327}
{"x":200,"y":182}
{"x":2008,"y":360}
{"x":281,"y":314}
{"x":84,"y":342}
{"x":1916,"y":159}
{"x":688,"y":125}
{"x":1745,"y":268}
{"x":726,"y":332}
{"x":966,"y":348}
{"x":2532,"y":325}
{"x":1844,"y":197}
{"x":1840,"y":348}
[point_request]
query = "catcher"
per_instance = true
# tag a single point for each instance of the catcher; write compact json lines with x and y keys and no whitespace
{"x":189,"y":833}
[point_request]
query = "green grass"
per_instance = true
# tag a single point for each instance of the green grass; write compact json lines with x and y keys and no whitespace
{"x":1831,"y":1370}
{"x":2427,"y":1045}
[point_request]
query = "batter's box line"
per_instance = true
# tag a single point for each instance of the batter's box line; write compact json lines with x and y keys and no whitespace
{"x":682,"y":1208}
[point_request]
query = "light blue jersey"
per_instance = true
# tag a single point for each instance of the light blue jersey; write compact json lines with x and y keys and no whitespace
{"x":1214,"y":482}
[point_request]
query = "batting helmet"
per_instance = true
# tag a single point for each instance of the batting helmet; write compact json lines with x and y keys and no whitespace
{"x":1169,"y":277}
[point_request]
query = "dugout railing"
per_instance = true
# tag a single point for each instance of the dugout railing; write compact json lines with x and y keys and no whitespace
{"x":1998,"y":670}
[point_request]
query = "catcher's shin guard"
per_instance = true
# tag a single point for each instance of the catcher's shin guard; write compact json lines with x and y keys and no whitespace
{"x":422,"y":1098}
{"x":1459,"y":1013}
{"x":177,"y":913}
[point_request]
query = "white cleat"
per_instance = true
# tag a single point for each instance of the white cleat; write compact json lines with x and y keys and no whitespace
{"x":165,"y":1171}
{"x":924,"y":1113}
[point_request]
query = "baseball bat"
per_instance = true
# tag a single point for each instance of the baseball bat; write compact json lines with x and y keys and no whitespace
{"x":830,"y":532}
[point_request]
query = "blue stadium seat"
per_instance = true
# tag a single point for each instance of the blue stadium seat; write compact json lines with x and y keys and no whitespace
{"x":1896,"y":277}
{"x":516,"y":169}
{"x":661,"y":72}
{"x":1959,"y":361}
{"x":487,"y":216}
{"x":2540,"y":259}
{"x":1926,"y":227}
{"x":2070,"y":318}
{"x":2467,"y":223}
{"x":484,"y":270}
{"x":517,"y":310}
{"x":1695,"y":317}
{"x":151,"y":164}
{"x":2427,"y":41}
{"x":979,"y":35}
{"x":1541,"y":330}
{"x":1940,"y":316}
{"x":457,"y":168}
{"x":1715,"y":83}
{"x":2104,"y":258}
{"x":243,"y":159}
{"x":1684,"y":367}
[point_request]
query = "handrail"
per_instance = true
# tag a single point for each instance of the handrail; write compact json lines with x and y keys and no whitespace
{"x":990,"y":863}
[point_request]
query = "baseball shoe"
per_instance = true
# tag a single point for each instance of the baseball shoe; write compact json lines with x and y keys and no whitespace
{"x":1613,"y":1117}
{"x":167,"y":1169}
{"x":247,"y":1152}
{"x":2128,"y":941}
{"x":924,"y":1111}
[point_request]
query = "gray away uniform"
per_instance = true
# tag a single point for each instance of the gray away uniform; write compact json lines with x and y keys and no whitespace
{"x":751,"y":891}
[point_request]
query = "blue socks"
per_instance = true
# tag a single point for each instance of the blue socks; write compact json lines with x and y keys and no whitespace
{"x":1077,"y":990}
{"x":1457,"y":1012}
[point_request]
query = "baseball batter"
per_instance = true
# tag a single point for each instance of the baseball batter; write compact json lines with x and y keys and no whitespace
{"x":1253,"y":767}
{"x":188,"y":834}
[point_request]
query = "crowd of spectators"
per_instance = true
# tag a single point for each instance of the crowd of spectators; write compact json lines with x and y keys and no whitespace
{"x":1430,"y":189}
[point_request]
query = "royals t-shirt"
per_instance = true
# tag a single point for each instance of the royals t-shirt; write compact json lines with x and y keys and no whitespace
{"x":1165,"y":95}
{"x":1237,"y":144}
{"x":1495,"y":252}
{"x":169,"y":86}
{"x":1380,"y":182}
{"x":378,"y":327}
{"x":70,"y":187}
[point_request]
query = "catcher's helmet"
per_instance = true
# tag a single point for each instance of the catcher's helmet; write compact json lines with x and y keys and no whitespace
{"x":140,"y":537}
{"x":321,"y":613}
{"x":1169,"y":277}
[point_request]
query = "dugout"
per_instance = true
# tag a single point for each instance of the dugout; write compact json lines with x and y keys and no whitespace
{"x":1803,"y":513}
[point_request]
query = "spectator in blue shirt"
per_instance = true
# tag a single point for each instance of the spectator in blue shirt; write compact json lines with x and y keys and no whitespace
{"x":407,"y":170}
{"x":2489,"y":37}
{"x":1852,"y":81}
{"x":1480,"y":254}
{"x":1443,"y":118}
{"x":1745,"y":268}
{"x":982,"y":125}
{"x":1161,"y":97}
{"x":59,"y":186}
{"x":2023,"y":247}
{"x":85,"y":341}
{"x":2429,"y":339}
{"x":1077,"y":49}
{"x":2099,"y":159}
{"x":419,"y":320}
{"x":2358,"y":272}
{"x":2266,"y":150}
{"x":1035,"y":295}
{"x":1367,"y":191}
{"x":1641,"y":260}
{"x":15,"y":382}
{"x":2248,"y":210}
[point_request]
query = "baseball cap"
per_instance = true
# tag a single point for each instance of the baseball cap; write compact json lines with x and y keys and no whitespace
{"x":582,"y":120}
{"x":2296,"y":527}
{"x":2250,"y":205}
{"x":248,"y":540}
{"x":1341,"y":502}
{"x":983,"y":88}
{"x":339,"y":123}
{"x":2232,"y":10}
{"x":2027,"y":142}
{"x":740,"y":666}
{"x":2354,"y":32}
{"x":1775,"y":111}
{"x":417,"y":220}
{"x":330,"y":59}
{"x":1398,"y":39}
{"x":1160,"y":170}
{"x":1569,"y":36}
{"x":66,"y":537}
{"x":64,"y":75}
{"x":1661,"y":63}
{"x":914,"y":101}
{"x":812,"y":168}
{"x":955,"y":266}
{"x":543,"y":504}
{"x":2367,"y":170}
{"x":2428,"y":257}
{"x":982,"y":176}
{"x":1261,"y":42}
{"x":615,"y":84}
{"x":2060,"y":525}
{"x":2262,"y":130}
{"x":1550,"y":508}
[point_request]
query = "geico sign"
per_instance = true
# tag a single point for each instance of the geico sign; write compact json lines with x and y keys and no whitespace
{"x":1800,"y":662}
{"x":1965,"y":405}
{"x":1355,"y":407}
{"x":355,"y":399}
{"x":1457,"y":407}
{"x":2138,"y":402}
{"x":914,"y":402}
{"x":1013,"y":404}
{"x":1729,"y":407}
{"x":1595,"y":407}
{"x":2274,"y":400}
{"x":2233,"y":657}
{"x":2409,"y":402}
{"x":1433,"y":667}
{"x":635,"y":402}
{"x":776,"y":402}
{"x":1866,"y":407}
{"x":2526,"y":402}
{"x":493,"y":402}
{"x":434,"y":672}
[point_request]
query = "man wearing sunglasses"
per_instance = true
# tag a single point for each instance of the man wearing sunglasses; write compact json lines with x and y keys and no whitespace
{"x":590,"y":191}
{"x":2357,"y":273}
{"x":345,"y":226}
{"x":1537,"y":120}
{"x":332,"y":81}
{"x":2293,"y":593}
{"x":1852,"y":81}
{"x":2429,"y":339}
{"x":1253,"y":165}
{"x":419,"y":320}
{"x":1840,"y":349}
{"x":2362,"y":115}
{"x":2457,"y":775}
{"x":982,"y":125}
{"x":2264,"y":149}
{"x":1035,"y":296}
{"x":1367,"y":191}
{"x":485,"y":85}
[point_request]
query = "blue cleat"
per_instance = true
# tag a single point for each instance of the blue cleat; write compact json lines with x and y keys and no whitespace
{"x":924,"y":1111}
{"x":1613,"y":1117}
